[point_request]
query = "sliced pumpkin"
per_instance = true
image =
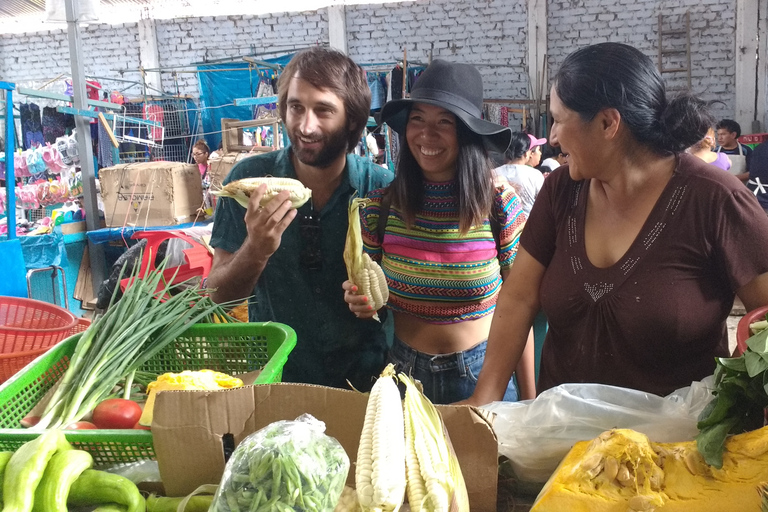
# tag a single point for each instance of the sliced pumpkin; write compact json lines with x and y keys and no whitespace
{"x":622,"y":471}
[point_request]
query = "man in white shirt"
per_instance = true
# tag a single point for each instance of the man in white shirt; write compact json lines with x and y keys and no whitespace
{"x":526,"y":180}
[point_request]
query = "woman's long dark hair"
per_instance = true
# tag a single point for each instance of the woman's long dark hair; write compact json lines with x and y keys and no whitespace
{"x":615,"y":75}
{"x":474,"y":177}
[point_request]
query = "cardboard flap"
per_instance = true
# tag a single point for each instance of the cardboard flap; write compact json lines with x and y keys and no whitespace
{"x":188,"y":428}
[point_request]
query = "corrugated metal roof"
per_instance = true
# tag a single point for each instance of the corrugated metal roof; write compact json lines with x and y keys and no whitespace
{"x":14,"y":8}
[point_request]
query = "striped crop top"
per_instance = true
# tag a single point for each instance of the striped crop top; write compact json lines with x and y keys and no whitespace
{"x":433,"y":272}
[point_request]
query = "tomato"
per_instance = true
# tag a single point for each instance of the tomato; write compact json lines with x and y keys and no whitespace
{"x":116,"y":413}
{"x":81,"y":425}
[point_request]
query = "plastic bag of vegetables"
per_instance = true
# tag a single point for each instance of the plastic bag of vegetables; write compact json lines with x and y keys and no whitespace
{"x":286,"y":466}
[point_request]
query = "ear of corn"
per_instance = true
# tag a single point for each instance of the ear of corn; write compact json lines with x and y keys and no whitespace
{"x":241,"y":190}
{"x":435,"y":481}
{"x":361,"y":269}
{"x":380,"y":469}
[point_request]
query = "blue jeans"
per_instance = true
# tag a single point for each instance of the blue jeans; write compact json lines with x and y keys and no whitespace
{"x":447,"y":378}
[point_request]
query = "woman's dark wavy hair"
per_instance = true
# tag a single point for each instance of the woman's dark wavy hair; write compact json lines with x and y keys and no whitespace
{"x":519,"y":144}
{"x":615,"y":75}
{"x":474,"y":176}
{"x":326,"y":68}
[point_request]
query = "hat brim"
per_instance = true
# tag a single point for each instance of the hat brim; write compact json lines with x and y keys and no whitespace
{"x":495,"y":137}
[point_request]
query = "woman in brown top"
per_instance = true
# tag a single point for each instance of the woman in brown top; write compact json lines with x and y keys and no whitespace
{"x":635,"y":249}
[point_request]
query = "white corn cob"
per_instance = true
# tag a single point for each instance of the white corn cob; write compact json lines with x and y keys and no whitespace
{"x":240,"y":190}
{"x":361,"y":269}
{"x":348,"y":501}
{"x":380,"y":470}
{"x":435,"y":481}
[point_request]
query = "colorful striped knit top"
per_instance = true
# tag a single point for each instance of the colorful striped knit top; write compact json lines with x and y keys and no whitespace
{"x":433,"y":272}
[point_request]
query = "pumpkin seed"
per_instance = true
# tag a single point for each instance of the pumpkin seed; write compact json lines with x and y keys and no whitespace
{"x":640,"y":503}
{"x":610,"y":468}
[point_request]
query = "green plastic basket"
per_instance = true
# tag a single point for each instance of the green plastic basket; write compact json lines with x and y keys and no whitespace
{"x":235,"y":348}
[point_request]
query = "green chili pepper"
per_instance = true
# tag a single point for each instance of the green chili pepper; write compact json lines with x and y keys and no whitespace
{"x":62,"y":470}
{"x":100,"y":488}
{"x":25,"y":470}
{"x":163,"y":504}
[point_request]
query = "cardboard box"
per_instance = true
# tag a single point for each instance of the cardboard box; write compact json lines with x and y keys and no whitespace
{"x":150,"y":193}
{"x":221,"y":166}
{"x":200,"y":419}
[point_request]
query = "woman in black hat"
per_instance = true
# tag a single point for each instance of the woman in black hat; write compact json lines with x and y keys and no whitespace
{"x":634,"y":249}
{"x":444,"y":234}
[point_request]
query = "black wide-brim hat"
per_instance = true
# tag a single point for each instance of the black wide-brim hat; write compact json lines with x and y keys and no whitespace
{"x":457,"y":88}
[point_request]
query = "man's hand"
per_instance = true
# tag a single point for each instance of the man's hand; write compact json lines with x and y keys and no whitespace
{"x":358,"y":304}
{"x":266,"y":224}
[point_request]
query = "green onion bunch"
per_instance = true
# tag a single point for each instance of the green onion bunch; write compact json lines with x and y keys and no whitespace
{"x":131,"y":331}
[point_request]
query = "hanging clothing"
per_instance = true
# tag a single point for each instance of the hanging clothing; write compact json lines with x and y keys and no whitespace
{"x":105,"y":148}
{"x":396,"y":85}
{"x":55,"y":124}
{"x":378,"y":93}
{"x":31,"y":126}
{"x":504,"y":116}
{"x":154,"y":113}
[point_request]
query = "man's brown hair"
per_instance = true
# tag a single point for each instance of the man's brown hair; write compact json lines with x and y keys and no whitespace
{"x":326,"y":68}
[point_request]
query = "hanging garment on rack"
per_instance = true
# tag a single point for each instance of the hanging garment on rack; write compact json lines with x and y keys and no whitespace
{"x":504,"y":116}
{"x":378,"y":93}
{"x":413,"y":74}
{"x":31,"y":125}
{"x":55,"y":124}
{"x":494,"y":113}
{"x":396,"y":85}
{"x":155,"y":113}
{"x":105,"y":148}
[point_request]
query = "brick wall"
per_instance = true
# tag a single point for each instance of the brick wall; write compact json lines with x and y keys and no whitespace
{"x":488,"y":33}
{"x":193,"y":40}
{"x":32,"y":60}
{"x":574,"y":23}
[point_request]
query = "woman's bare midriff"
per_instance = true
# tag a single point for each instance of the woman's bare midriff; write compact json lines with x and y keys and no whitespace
{"x":441,"y":338}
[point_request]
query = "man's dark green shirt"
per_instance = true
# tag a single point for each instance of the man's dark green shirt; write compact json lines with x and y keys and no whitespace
{"x":333,"y":346}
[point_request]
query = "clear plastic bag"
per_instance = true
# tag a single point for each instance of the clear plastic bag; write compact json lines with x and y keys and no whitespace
{"x":536,"y":434}
{"x":287,"y":465}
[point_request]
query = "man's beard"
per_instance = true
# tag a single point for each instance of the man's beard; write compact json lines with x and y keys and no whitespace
{"x":333,"y":145}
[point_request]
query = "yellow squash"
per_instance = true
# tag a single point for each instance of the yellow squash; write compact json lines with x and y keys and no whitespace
{"x":202,"y":379}
{"x":622,"y":471}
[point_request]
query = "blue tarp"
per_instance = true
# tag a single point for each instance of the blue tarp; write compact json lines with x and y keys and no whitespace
{"x":219,"y":88}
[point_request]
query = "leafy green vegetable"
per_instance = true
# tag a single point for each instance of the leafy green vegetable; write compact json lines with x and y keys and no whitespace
{"x":741,"y":396}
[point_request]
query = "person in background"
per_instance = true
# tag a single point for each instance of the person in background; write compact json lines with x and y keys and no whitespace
{"x":535,"y":156}
{"x":728,"y":133}
{"x":635,"y":249}
{"x":200,"y":153}
{"x":554,"y":159}
{"x":703,"y":149}
{"x":289,"y":262}
{"x":526,"y":180}
{"x":758,"y":174}
{"x":444,"y":233}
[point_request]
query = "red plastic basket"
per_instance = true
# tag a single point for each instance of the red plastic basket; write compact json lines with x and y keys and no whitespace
{"x":29,"y":327}
{"x":15,"y":361}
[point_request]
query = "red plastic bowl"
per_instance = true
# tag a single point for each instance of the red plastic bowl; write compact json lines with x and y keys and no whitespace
{"x":742,"y":329}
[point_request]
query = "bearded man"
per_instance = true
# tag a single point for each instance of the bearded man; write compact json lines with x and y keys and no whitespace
{"x":287,"y":261}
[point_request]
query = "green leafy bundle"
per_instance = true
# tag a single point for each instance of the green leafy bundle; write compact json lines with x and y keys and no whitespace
{"x":119,"y":342}
{"x":741,"y":396}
